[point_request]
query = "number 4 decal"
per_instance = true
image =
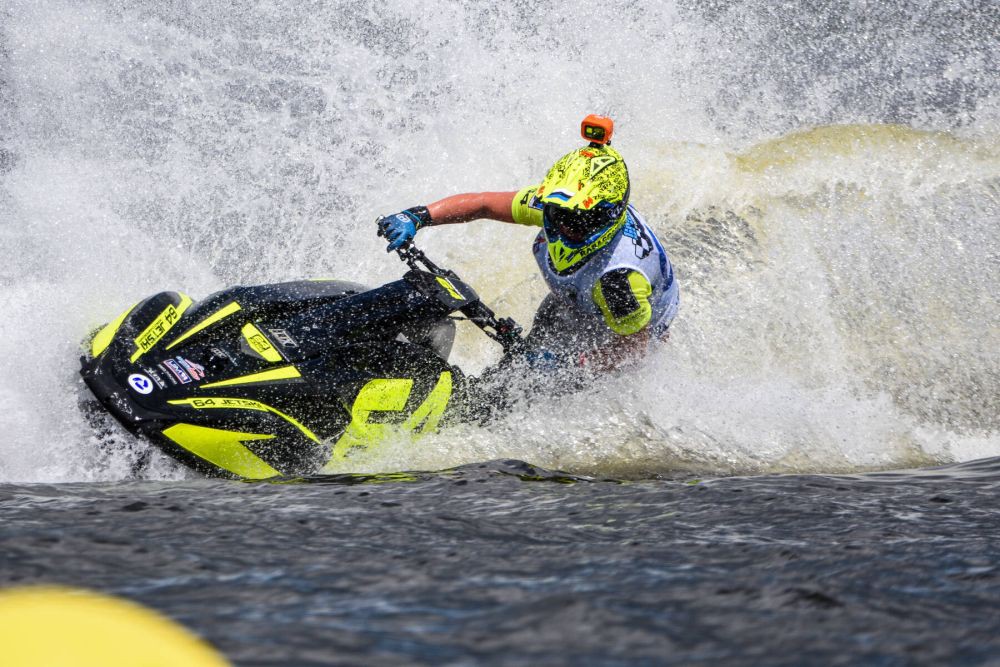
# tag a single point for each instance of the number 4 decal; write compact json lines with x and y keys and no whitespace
{"x":390,"y":395}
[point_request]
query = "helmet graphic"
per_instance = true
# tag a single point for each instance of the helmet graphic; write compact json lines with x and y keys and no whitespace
{"x":583,"y":198}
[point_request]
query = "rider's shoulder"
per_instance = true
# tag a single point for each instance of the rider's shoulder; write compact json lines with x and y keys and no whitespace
{"x":526,"y":209}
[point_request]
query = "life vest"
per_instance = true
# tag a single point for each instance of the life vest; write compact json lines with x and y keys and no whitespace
{"x":634,"y":247}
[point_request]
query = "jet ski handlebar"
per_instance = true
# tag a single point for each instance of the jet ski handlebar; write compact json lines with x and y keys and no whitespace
{"x":503,"y":330}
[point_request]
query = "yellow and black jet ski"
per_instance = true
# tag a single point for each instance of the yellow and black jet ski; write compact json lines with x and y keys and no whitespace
{"x":281,"y":379}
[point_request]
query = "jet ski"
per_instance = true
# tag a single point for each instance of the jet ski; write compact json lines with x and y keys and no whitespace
{"x":284,"y":379}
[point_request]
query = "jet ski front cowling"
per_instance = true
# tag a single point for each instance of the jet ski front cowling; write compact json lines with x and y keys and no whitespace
{"x":276,"y":379}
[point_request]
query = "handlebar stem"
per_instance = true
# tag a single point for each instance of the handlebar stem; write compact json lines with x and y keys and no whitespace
{"x":505,"y":331}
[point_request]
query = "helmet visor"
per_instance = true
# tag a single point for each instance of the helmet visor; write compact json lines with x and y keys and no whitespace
{"x":578,"y":226}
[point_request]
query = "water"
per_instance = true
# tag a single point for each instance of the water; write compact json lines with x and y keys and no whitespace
{"x":825,"y":176}
{"x":502,"y":563}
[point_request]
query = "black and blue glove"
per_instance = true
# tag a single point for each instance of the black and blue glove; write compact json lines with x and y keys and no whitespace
{"x":400,"y":228}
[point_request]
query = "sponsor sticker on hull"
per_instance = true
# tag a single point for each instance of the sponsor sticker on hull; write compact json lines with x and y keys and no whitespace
{"x":167,"y":374}
{"x":259,"y":344}
{"x":196,"y":371}
{"x":177,"y":370}
{"x":140,"y":383}
{"x":241,"y":403}
{"x":222,"y":353}
{"x":156,"y":377}
{"x":159,"y":327}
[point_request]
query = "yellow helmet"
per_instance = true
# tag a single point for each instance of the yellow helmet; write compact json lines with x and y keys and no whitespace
{"x":584,"y":198}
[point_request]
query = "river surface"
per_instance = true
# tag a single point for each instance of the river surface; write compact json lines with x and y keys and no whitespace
{"x":503,"y":563}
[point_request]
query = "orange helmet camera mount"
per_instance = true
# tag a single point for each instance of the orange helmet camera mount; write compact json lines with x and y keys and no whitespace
{"x":597,"y":129}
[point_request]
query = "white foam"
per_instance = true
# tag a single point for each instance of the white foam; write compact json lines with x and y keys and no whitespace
{"x":838,"y":308}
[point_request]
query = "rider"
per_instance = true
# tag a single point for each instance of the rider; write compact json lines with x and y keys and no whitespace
{"x":612,"y":286}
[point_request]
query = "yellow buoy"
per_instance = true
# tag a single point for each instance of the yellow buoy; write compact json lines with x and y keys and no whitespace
{"x":63,"y":627}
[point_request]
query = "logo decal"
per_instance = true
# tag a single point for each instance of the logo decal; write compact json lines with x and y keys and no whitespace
{"x":167,"y":374}
{"x":156,"y":377}
{"x":601,"y":162}
{"x":390,"y":395}
{"x":221,"y":353}
{"x":283,"y":337}
{"x":177,"y":371}
{"x":140,"y":383}
{"x":158,"y":328}
{"x":196,"y":371}
{"x":640,"y":239}
{"x":450,"y":288}
{"x":259,"y":344}
{"x":244,"y":403}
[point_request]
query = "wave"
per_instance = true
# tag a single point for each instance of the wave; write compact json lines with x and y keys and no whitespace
{"x":836,"y":243}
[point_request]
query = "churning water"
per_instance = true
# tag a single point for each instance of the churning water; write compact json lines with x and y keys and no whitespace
{"x":826,"y":178}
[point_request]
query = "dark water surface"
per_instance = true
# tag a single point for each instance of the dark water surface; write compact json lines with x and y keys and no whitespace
{"x":503,"y":563}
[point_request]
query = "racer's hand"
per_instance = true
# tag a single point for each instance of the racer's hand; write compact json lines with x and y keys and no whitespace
{"x":401,"y":227}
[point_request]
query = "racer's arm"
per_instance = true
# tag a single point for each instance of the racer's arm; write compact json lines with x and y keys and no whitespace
{"x":472,"y":206}
{"x":401,"y":227}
